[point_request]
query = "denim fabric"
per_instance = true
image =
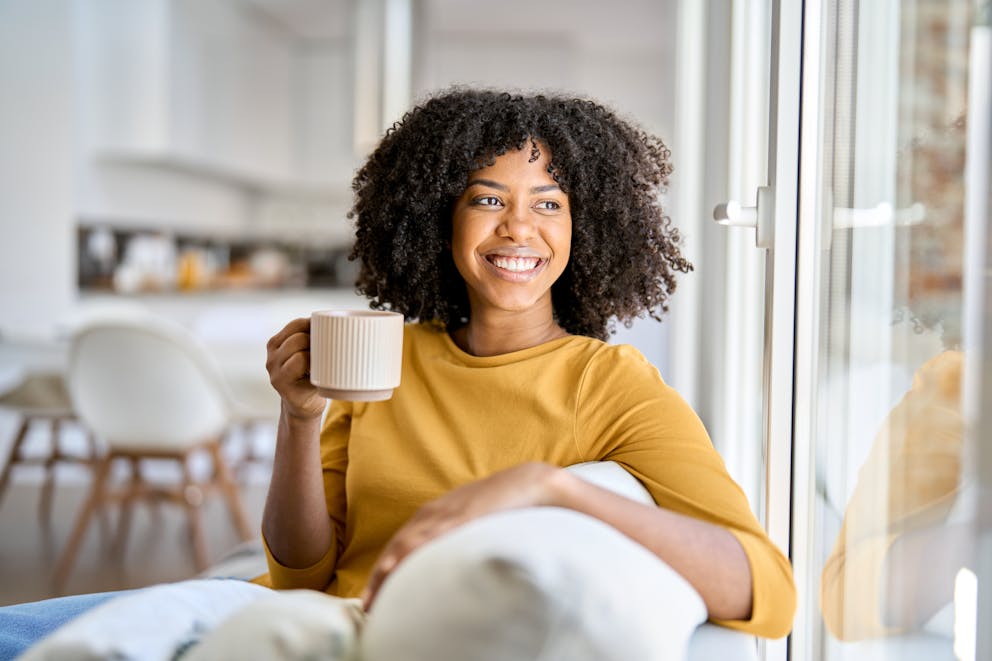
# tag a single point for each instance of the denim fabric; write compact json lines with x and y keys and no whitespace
{"x":22,"y":625}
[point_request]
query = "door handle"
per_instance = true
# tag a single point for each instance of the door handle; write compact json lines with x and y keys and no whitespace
{"x":881,"y":215}
{"x":761,"y":216}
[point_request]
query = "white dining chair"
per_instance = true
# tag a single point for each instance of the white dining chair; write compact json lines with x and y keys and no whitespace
{"x":149,"y":390}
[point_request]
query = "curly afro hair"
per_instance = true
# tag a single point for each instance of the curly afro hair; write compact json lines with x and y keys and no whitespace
{"x":624,"y":248}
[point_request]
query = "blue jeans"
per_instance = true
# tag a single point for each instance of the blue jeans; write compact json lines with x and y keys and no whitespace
{"x":22,"y":625}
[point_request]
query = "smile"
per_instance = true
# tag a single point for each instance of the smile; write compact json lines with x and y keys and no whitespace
{"x":516,"y":269}
{"x":515,"y":264}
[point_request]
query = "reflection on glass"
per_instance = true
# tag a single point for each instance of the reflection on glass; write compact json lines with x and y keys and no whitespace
{"x":895,"y":505}
{"x":899,"y":519}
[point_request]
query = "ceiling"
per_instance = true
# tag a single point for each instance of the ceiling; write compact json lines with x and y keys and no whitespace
{"x":309,"y":19}
{"x":626,"y":25}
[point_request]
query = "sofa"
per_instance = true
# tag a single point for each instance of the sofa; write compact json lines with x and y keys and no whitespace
{"x":536,"y":583}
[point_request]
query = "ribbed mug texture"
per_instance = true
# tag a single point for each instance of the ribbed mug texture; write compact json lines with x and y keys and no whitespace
{"x":356,"y":350}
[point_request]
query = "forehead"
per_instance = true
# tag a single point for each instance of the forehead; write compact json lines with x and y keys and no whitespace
{"x":518,"y":163}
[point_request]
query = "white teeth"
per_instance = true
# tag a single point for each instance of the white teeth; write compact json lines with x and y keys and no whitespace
{"x":516,"y":263}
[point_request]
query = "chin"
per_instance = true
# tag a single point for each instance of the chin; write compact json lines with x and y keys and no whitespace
{"x":505,"y":304}
{"x":515,"y":306}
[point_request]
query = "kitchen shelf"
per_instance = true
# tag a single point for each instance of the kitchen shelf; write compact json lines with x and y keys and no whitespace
{"x":187,"y":262}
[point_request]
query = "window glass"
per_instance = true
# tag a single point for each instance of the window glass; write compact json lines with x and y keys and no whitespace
{"x":894,"y":501}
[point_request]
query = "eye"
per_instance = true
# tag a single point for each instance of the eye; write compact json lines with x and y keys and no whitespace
{"x":486,"y":201}
{"x":548,"y":204}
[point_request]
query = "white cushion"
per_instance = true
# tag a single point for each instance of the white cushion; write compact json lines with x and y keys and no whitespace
{"x":709,"y":641}
{"x":293,"y":625}
{"x":611,"y":475}
{"x":538,"y":583}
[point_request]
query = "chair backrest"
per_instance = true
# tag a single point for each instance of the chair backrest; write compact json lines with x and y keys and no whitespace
{"x":145,"y":384}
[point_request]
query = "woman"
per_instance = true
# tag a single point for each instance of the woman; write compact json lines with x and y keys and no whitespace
{"x":513,"y":229}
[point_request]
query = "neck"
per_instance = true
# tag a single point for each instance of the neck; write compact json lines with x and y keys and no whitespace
{"x":492,"y":335}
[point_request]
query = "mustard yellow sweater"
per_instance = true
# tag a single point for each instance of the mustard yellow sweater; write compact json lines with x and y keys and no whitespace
{"x":457,"y":418}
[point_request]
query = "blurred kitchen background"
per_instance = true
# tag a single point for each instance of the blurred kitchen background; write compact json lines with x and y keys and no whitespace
{"x":208,"y":147}
{"x":185,"y":155}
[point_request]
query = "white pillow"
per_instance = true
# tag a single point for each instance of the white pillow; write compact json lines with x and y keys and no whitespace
{"x":614,"y":477}
{"x":291,"y":625}
{"x":708,"y":641}
{"x":538,"y":583}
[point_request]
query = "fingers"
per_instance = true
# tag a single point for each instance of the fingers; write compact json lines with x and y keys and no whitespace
{"x":405,"y":542}
{"x":288,"y":364}
{"x":288,"y":353}
{"x":301,"y":325}
{"x":383,"y":569}
{"x":292,"y":346}
{"x":428,"y":524}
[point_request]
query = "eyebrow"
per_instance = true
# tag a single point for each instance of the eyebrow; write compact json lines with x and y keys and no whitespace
{"x":498,"y":186}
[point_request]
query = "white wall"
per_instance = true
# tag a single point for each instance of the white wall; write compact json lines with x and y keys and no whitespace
{"x":621,"y":53}
{"x":323,"y":139}
{"x":37,"y":264}
{"x":148,"y":196}
{"x":168,"y":90}
{"x":231,"y":87}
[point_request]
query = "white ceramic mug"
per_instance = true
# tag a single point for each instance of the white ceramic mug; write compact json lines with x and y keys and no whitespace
{"x":356,"y":355}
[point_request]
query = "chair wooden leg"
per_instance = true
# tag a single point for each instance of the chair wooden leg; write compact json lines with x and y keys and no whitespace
{"x":95,"y":501}
{"x":94,"y":454}
{"x":192,"y":500}
{"x":47,"y":487}
{"x":231,"y":493}
{"x":15,"y":448}
{"x":235,"y":437}
{"x":126,"y":509}
{"x":92,"y":460}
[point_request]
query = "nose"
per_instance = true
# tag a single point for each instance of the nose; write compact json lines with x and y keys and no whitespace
{"x":517,"y":224}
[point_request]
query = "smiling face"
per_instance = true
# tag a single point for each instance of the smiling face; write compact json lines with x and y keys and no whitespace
{"x":511,"y":235}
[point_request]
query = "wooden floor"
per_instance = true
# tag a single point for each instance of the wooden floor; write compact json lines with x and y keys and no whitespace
{"x":157,"y":548}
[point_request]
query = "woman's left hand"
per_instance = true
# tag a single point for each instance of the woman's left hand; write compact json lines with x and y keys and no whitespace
{"x":526,"y":485}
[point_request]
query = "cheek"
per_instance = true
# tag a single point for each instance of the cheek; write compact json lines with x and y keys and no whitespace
{"x":563,"y":263}
{"x":564,"y":243}
{"x":461,"y":248}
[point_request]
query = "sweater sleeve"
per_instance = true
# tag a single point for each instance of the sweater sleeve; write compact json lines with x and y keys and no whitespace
{"x":627,"y":414}
{"x":334,"y":460}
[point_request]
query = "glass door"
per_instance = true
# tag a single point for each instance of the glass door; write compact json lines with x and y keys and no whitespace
{"x":859,"y":148}
{"x":885,"y":473}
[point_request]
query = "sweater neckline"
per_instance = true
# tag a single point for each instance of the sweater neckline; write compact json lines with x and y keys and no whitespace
{"x":466,"y":358}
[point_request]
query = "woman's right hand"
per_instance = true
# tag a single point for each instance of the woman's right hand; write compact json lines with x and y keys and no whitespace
{"x":288,"y":364}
